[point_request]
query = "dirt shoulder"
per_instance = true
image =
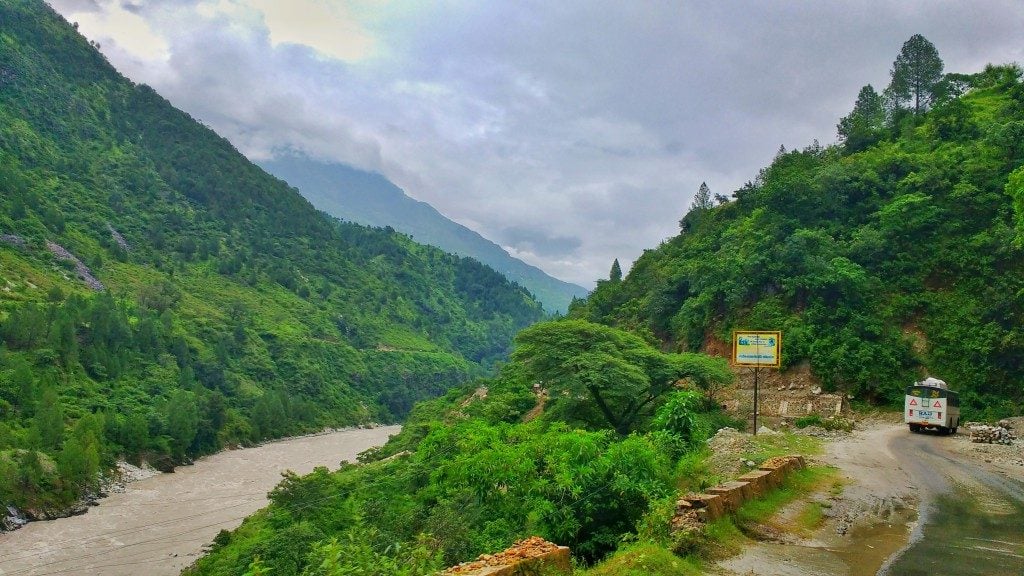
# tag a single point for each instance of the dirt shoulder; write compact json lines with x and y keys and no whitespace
{"x":875,"y":513}
{"x":1005,"y":460}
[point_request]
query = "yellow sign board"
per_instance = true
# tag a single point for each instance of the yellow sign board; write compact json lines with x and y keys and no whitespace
{"x":757,"y":348}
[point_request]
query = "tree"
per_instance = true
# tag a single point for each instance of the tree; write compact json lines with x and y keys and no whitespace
{"x":182,"y":421}
{"x":702,"y":202}
{"x":916,"y":74}
{"x":616,"y":273}
{"x":48,"y":425}
{"x":619,"y":372}
{"x":1015,"y":189}
{"x":862,"y":126}
{"x":79,"y":460}
{"x":21,"y":389}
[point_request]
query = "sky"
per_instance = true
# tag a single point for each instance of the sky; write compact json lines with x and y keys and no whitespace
{"x":570,"y":132}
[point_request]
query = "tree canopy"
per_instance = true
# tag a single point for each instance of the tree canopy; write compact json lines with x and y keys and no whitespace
{"x":864,"y":125}
{"x":620,"y":373}
{"x":916,"y":74}
{"x":884,"y":259}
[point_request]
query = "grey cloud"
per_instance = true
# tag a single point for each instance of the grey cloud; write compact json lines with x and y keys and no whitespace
{"x":543,"y":242}
{"x":72,"y":6}
{"x":572,"y":132}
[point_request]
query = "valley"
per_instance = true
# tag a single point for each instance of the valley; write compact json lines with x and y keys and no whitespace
{"x":166,"y":301}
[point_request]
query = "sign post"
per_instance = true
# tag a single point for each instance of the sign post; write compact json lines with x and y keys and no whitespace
{"x":755,"y":349}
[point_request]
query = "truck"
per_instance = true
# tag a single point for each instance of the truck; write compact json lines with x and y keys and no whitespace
{"x":931,"y":405}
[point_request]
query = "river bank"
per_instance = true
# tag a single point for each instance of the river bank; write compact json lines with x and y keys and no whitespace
{"x":159,"y":525}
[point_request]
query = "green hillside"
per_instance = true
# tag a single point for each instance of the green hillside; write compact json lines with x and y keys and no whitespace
{"x":882,"y":259}
{"x":894,"y":253}
{"x":162,"y":297}
{"x":371,"y":199}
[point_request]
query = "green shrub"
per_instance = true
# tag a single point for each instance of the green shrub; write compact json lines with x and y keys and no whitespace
{"x":809,"y":420}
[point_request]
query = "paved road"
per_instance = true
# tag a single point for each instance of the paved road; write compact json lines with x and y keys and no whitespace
{"x":971,"y":520}
{"x":159,"y":525}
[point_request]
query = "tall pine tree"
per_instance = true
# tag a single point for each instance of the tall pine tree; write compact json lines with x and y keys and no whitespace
{"x":616,"y":273}
{"x":916,"y":74}
{"x":702,"y":202}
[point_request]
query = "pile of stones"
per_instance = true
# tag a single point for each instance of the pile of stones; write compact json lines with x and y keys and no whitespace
{"x":998,"y":434}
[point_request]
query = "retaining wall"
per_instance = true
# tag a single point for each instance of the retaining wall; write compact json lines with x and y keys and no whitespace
{"x":695,"y":509}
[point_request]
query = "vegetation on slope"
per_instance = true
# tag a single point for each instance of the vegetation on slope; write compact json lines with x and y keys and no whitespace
{"x":887,"y":257}
{"x":882,"y":257}
{"x":480,"y":468}
{"x":218,"y":306}
{"x":371,"y":199}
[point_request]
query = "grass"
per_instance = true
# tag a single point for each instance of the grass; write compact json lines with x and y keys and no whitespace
{"x":810,"y":517}
{"x":727,"y":536}
{"x":693,"y":472}
{"x":644,"y":559}
{"x":765,"y":446}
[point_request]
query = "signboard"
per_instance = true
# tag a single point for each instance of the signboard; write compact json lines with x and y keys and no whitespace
{"x":757,"y":348}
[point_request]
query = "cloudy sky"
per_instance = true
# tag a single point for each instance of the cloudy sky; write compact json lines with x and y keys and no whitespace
{"x":570,"y":132}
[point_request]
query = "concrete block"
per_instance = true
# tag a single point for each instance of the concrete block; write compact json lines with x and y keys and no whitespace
{"x":712,"y":504}
{"x":758,"y":481}
{"x":731,"y":494}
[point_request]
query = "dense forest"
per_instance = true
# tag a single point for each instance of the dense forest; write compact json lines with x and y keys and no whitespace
{"x":489,"y":463}
{"x":161,"y":297}
{"x":893,"y":253}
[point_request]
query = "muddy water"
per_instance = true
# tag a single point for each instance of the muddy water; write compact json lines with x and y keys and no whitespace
{"x":160,"y":524}
{"x":868,"y":546}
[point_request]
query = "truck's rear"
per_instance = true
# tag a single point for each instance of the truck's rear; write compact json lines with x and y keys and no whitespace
{"x":931,"y":407}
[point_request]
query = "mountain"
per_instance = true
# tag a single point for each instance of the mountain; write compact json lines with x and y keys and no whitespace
{"x":895,"y":255}
{"x":163,"y":297}
{"x":371,"y":199}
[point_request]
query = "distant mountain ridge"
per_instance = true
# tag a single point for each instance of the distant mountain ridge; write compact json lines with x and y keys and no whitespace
{"x":369,"y":198}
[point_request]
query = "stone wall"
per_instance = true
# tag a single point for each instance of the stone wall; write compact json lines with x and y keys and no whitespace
{"x":693,"y":510}
{"x":524,"y":557}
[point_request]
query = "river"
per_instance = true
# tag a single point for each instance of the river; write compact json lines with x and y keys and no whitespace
{"x":160,"y":525}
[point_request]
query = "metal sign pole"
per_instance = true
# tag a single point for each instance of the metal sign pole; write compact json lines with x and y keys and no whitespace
{"x":755,"y":400}
{"x":747,"y":351}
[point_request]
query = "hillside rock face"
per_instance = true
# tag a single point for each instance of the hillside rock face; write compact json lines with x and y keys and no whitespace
{"x":83,"y":271}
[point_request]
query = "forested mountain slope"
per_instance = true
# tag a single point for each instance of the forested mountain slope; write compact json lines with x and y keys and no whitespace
{"x":892,"y":254}
{"x":371,"y":199}
{"x":161,"y":296}
{"x":887,"y":257}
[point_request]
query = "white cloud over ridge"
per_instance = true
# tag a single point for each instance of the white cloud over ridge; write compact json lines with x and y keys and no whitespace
{"x":571,"y":133}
